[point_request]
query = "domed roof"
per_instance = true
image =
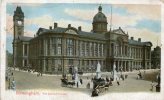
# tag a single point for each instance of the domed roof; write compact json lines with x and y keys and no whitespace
{"x":100,"y":17}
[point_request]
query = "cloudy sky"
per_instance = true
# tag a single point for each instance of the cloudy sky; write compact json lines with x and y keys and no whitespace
{"x":140,"y":21}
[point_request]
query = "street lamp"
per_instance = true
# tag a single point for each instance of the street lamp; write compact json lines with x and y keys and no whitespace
{"x":92,"y":69}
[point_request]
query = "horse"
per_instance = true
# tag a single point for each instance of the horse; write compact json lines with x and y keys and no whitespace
{"x":71,"y":84}
{"x":64,"y":82}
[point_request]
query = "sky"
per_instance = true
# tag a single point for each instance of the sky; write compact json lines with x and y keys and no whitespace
{"x":138,"y":20}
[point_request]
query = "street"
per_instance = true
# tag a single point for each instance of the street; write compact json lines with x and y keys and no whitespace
{"x":30,"y":81}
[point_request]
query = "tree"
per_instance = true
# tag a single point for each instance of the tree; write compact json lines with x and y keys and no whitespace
{"x":9,"y":58}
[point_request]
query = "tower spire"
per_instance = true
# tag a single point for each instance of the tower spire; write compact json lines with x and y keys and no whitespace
{"x":100,"y":8}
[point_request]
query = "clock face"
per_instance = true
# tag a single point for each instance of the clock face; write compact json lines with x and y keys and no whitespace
{"x":19,"y":22}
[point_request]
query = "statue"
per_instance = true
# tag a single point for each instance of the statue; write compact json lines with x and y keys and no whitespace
{"x":114,"y":73}
{"x":98,"y":71}
{"x":76,"y":76}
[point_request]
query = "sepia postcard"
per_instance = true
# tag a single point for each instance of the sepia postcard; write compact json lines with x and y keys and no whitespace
{"x":88,"y":50}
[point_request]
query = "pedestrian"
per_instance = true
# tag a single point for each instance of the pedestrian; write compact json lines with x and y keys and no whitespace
{"x":118,"y":83}
{"x":88,"y":85}
{"x":152,"y":86}
{"x":13,"y":85}
{"x":77,"y":84}
{"x":107,"y":79}
{"x":126,"y":76}
{"x":81,"y":81}
{"x":110,"y":82}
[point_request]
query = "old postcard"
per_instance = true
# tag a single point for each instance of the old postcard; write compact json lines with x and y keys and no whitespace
{"x":81,"y":50}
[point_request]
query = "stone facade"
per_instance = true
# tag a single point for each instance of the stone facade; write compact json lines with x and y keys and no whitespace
{"x":57,"y":49}
{"x":156,"y":57}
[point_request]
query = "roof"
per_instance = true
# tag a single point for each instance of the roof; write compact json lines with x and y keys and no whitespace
{"x":19,"y":10}
{"x":92,"y":35}
{"x":25,"y":38}
{"x":119,"y":31}
{"x":56,"y":30}
{"x":100,"y":17}
{"x":135,"y":42}
{"x":80,"y":33}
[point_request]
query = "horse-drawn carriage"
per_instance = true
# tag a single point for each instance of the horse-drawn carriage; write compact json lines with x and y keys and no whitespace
{"x":100,"y":84}
{"x":65,"y":83}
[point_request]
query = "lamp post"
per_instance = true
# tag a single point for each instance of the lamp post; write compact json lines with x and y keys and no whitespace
{"x":92,"y":70}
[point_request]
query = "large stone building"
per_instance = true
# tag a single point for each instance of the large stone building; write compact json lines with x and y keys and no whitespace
{"x":156,"y":57}
{"x":57,"y":49}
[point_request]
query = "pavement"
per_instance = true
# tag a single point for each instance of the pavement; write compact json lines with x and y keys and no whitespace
{"x":30,"y":81}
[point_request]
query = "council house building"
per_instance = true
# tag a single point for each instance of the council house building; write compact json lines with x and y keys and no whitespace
{"x":57,"y":49}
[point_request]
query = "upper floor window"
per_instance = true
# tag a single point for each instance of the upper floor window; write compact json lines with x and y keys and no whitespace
{"x":70,"y":47}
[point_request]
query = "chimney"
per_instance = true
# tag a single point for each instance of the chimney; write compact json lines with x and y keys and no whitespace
{"x":69,"y":25}
{"x":55,"y":25}
{"x":79,"y":28}
{"x":50,"y":27}
{"x":132,"y":38}
{"x":139,"y":39}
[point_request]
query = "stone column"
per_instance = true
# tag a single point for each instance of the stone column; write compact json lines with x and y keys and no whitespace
{"x":63,"y":49}
{"x":121,"y":63}
{"x":125,"y":65}
{"x":132,"y":65}
{"x":129,"y":66}
{"x":102,"y":46}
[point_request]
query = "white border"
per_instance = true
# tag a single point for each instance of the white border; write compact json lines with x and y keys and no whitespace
{"x":7,"y":95}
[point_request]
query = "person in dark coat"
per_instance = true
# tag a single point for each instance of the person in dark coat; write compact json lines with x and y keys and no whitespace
{"x":107,"y":79}
{"x":81,"y":81}
{"x":118,"y":83}
{"x":77,"y":84}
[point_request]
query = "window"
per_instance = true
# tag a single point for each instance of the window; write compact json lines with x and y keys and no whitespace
{"x":100,"y":50}
{"x":53,"y":45}
{"x":83,"y":49}
{"x":25,"y":49}
{"x":70,"y":62}
{"x":59,"y":50}
{"x":87,"y":49}
{"x":59,"y":63}
{"x":25,"y":62}
{"x":91,"y":49}
{"x":41,"y":47}
{"x":59,"y":46}
{"x":70,"y":47}
{"x":48,"y":47}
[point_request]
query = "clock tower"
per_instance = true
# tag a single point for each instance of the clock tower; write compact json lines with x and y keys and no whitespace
{"x":18,"y":22}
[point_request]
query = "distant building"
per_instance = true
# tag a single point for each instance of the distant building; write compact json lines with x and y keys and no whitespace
{"x":57,"y":49}
{"x":156,"y":57}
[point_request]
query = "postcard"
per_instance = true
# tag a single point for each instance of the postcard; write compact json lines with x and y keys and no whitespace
{"x":81,"y":50}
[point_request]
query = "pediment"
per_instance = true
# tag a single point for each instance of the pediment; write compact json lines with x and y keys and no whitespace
{"x":71,"y":31}
{"x":119,"y":31}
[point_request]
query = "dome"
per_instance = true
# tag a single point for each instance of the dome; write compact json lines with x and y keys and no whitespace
{"x":100,"y":17}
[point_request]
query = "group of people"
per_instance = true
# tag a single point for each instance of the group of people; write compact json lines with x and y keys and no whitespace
{"x":140,"y":75}
{"x":11,"y":81}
